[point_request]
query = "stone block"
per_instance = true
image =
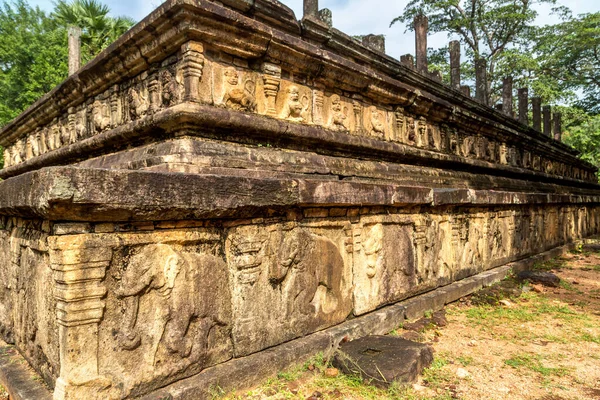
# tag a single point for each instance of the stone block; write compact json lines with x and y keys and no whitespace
{"x":383,"y":360}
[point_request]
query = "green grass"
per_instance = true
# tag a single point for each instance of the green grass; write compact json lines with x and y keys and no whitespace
{"x":465,"y":361}
{"x":588,"y":337}
{"x":534,"y":364}
{"x":535,"y":308}
{"x":552,"y":264}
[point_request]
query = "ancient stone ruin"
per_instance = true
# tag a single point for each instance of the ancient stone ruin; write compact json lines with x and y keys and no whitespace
{"x":226,"y":190}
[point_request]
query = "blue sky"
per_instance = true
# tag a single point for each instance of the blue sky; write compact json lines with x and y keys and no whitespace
{"x":354,"y":17}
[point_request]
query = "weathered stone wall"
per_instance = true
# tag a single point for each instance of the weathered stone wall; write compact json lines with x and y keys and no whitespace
{"x":27,"y":303}
{"x":182,"y":296}
{"x":225,"y":179}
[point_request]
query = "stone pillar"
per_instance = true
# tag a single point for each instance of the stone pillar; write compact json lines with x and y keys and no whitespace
{"x":466,"y":90}
{"x":421,"y":27}
{"x":557,"y":126}
{"x":192,"y":65}
{"x":408,"y":61}
{"x":481,"y":81}
{"x":318,"y":105}
{"x":455,"y":64}
{"x":272,"y":81}
{"x":79,"y":273}
{"x":311,"y":8}
{"x":536,"y":106}
{"x":74,"y":33}
{"x":507,"y":96}
{"x":115,"y":119}
{"x":524,"y":106}
{"x":547,"y":116}
{"x":154,"y":91}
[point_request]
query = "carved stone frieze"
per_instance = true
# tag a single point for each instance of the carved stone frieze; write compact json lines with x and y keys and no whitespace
{"x":302,"y":275}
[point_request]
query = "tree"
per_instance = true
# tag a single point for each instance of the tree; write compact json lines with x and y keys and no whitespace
{"x":569,"y":53}
{"x":33,"y":57}
{"x":585,"y":138}
{"x":99,"y":29}
{"x":487,"y":28}
{"x":33,"y":49}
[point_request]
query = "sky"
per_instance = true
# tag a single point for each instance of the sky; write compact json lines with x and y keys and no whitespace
{"x":353,"y":17}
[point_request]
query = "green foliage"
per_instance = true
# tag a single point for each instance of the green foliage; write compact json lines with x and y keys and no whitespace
{"x":33,"y":49}
{"x":33,"y":57}
{"x":534,"y":364}
{"x":99,"y":29}
{"x":586,"y":139}
{"x":487,"y":29}
{"x":569,"y":53}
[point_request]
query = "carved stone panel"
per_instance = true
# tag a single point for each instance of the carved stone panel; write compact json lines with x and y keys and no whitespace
{"x":288,"y":280}
{"x":294,"y":103}
{"x":384,"y":264}
{"x":168,"y":315}
{"x":235,"y":89}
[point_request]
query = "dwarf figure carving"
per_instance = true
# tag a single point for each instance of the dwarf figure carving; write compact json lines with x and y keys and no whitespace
{"x":240,"y":99}
{"x":378,"y":126}
{"x":100,"y":116}
{"x":295,"y":107}
{"x":80,"y":128}
{"x":372,"y":247}
{"x":19,"y":152}
{"x":411,"y":135}
{"x":170,"y":88}
{"x":138,"y":104}
{"x":338,"y":121}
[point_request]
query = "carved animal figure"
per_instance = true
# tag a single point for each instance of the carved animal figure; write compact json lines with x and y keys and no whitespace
{"x":241,"y":99}
{"x":182,"y":289}
{"x":304,"y":264}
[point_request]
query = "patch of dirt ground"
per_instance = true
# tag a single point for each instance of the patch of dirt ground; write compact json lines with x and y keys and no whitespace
{"x":543,"y":345}
{"x":3,"y":393}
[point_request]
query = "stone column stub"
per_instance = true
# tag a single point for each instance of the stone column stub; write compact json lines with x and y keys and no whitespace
{"x":466,"y":90}
{"x":74,"y":33}
{"x":524,"y":106}
{"x":547,"y":117}
{"x":455,"y":64}
{"x":536,"y":106}
{"x":557,"y":126}
{"x":481,"y":81}
{"x":421,"y":24}
{"x":311,"y":8}
{"x":408,"y":60}
{"x":507,"y":96}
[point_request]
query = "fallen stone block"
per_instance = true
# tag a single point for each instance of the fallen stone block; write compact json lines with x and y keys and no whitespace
{"x":382,"y":360}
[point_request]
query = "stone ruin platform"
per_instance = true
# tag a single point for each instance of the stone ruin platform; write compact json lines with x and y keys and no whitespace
{"x":226,"y":190}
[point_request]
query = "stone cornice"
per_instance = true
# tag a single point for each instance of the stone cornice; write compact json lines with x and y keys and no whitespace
{"x":269,"y":32}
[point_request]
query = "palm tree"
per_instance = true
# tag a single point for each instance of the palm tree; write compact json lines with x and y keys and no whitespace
{"x":99,"y":29}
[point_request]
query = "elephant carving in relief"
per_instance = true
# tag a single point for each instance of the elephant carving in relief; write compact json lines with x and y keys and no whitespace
{"x":309,"y":269}
{"x":181,"y":282}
